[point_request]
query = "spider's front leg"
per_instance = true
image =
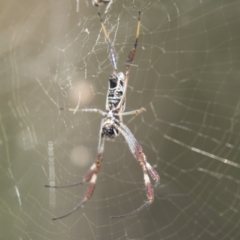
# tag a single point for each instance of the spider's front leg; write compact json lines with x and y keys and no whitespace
{"x":137,"y":151}
{"x":90,"y":177}
{"x":147,"y":169}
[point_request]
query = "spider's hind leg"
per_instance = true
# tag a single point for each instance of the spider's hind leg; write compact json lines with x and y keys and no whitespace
{"x":112,"y":52}
{"x":134,"y":49}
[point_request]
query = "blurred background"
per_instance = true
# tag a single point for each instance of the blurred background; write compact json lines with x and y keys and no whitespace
{"x":185,"y":73}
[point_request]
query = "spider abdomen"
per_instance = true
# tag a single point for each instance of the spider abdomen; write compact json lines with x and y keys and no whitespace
{"x":115,"y":90}
{"x":114,"y":99}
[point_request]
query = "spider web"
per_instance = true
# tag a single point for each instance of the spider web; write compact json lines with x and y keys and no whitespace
{"x":185,"y":73}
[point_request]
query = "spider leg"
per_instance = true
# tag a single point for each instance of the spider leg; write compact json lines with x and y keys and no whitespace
{"x":146,"y":204}
{"x":94,"y":110}
{"x":133,"y":51}
{"x":92,"y":174}
{"x":137,"y":150}
{"x":66,"y":186}
{"x":112,"y":55}
{"x":86,"y":178}
{"x":138,"y":153}
{"x":90,"y":177}
{"x":134,"y":112}
{"x":129,"y":61}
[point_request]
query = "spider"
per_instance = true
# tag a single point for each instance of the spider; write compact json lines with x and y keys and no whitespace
{"x":112,"y":125}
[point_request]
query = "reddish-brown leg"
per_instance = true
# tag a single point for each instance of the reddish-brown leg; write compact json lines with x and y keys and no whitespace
{"x":90,"y":177}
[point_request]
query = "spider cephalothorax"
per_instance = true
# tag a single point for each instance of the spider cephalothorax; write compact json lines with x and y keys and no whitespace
{"x":110,"y":131}
{"x":112,"y":125}
{"x":108,"y":128}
